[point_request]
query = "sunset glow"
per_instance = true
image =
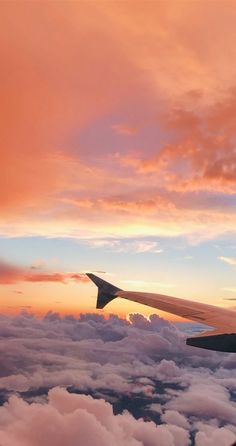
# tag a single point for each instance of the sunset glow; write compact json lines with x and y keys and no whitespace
{"x":117,"y":152}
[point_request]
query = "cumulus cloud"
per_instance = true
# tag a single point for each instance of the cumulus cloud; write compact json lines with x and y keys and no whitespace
{"x":141,"y":365}
{"x":78,"y":419}
{"x":211,"y":401}
{"x":10,"y":274}
{"x":210,"y":436}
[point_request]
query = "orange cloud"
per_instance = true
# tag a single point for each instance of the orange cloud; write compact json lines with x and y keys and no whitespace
{"x":124,"y":129}
{"x":202,"y":155}
{"x":53,"y":81}
{"x":72,"y":68}
{"x":11,"y":274}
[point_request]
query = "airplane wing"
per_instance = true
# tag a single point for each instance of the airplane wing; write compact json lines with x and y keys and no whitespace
{"x":223,"y":338}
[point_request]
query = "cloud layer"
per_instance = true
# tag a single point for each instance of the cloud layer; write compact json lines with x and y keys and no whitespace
{"x":77,"y":419}
{"x":141,"y":366}
{"x":120,"y":116}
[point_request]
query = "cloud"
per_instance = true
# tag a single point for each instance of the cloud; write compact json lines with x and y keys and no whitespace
{"x":11,"y":274}
{"x":148,"y":145}
{"x":123,"y":129}
{"x":210,"y":432}
{"x":174,"y":417}
{"x":45,"y":71}
{"x":228,"y":260}
{"x":66,"y":417}
{"x":126,"y":245}
{"x":206,"y":401}
{"x":231,"y":289}
{"x":201,"y":156}
{"x":210,"y":436}
{"x":137,"y":366}
{"x":142,"y":283}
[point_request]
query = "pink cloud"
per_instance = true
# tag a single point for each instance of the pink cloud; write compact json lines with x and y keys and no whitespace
{"x":211,"y":435}
{"x":203,"y":400}
{"x":124,"y":129}
{"x":66,"y":417}
{"x":113,"y":65}
{"x":202,"y":157}
{"x":10,"y":274}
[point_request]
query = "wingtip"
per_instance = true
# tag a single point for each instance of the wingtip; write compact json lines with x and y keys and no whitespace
{"x":106,"y":291}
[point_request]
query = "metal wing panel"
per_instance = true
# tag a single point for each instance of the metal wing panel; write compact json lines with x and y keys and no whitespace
{"x":221,"y":318}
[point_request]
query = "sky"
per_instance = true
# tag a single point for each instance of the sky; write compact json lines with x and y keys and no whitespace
{"x":118,"y":157}
{"x":117,"y":152}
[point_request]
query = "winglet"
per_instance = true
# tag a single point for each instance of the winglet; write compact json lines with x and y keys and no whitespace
{"x":106,"y":291}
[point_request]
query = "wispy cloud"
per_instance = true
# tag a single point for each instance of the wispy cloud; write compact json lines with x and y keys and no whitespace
{"x":229,"y":260}
{"x":144,"y":283}
{"x":124,"y":129}
{"x":11,"y":274}
{"x":124,"y":245}
{"x":231,"y":289}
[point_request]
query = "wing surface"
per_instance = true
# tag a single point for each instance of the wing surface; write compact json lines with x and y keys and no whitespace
{"x":222,"y":319}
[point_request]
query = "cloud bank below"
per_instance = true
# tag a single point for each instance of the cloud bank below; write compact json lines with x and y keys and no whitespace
{"x":116,"y":372}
